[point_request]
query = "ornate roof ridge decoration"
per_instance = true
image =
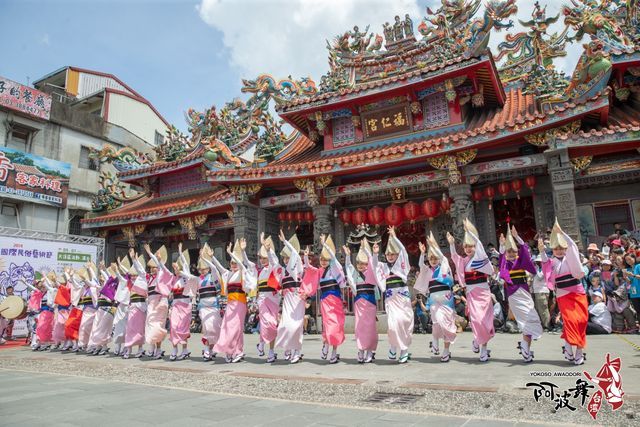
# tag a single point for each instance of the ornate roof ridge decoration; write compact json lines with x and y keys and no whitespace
{"x":122,"y":159}
{"x":530,"y":56}
{"x":581,"y":163}
{"x":449,"y":35}
{"x":244,"y":192}
{"x":452,"y":162}
{"x":112,"y":193}
{"x":548,"y":137}
{"x":310,"y":185}
{"x":189,"y":224}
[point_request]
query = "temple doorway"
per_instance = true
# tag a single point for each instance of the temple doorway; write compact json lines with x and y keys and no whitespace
{"x":517,"y":212}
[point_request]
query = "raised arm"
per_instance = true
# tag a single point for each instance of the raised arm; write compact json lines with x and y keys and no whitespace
{"x":136,"y":264}
{"x":350,"y":269}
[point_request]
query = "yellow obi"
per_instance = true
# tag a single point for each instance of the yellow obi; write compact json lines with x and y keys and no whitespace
{"x":236,"y":293}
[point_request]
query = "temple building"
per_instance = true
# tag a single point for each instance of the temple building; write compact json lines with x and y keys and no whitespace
{"x":420,"y":127}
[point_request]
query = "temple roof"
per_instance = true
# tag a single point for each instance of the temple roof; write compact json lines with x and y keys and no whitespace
{"x":520,"y":115}
{"x":151,"y":208}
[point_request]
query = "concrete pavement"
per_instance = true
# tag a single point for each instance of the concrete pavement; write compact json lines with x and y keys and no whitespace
{"x":464,"y":387}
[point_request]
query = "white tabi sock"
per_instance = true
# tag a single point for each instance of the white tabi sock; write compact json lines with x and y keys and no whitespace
{"x":334,"y":353}
{"x":270,"y":352}
{"x":174,"y":351}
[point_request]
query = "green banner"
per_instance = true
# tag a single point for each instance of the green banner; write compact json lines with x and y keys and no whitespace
{"x":73,"y":257}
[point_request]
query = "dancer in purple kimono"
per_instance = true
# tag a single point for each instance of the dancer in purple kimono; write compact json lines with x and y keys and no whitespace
{"x":515,"y":262}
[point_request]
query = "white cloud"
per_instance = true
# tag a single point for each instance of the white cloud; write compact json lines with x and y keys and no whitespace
{"x":287,"y":37}
{"x":45,"y":40}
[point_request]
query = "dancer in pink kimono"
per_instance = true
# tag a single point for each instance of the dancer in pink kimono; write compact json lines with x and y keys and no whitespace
{"x":472,"y":272}
{"x":44,"y":328}
{"x":290,"y":329}
{"x":515,"y":262}
{"x":436,"y":280}
{"x":137,"y":282}
{"x":159,"y":280}
{"x":330,"y":279}
{"x":362,"y":280}
{"x":103,"y":322}
{"x":38,"y":291}
{"x":563,"y":271}
{"x":207,"y":286}
{"x":268,"y":297}
{"x":180,"y":313}
{"x":392,"y":280}
{"x":122,"y":297}
{"x":237,"y":282}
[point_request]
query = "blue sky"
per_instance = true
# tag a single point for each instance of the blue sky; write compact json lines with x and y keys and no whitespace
{"x":163,"y":50}
{"x":187,"y":53}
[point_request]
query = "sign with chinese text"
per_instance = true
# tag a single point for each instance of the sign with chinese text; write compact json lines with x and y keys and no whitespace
{"x":386,"y":122}
{"x":21,"y":258}
{"x":24,"y":99}
{"x":33,"y":178}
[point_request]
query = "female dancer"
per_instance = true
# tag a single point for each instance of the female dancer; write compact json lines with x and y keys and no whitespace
{"x":122,"y":297}
{"x":88,"y":302}
{"x":564,"y":271}
{"x":180,"y":314}
{"x":237,"y":282}
{"x":159,"y":280}
{"x":330,"y":279}
{"x":44,"y":330}
{"x":63,"y":304}
{"x":393,"y":282}
{"x":103,"y":322}
{"x":435,"y":280}
{"x":134,"y":334}
{"x":72,"y":325}
{"x":207,"y":286}
{"x":472,"y":271}
{"x":515,"y":261}
{"x":268,"y":297}
{"x":362,"y":280}
{"x":290,"y":329}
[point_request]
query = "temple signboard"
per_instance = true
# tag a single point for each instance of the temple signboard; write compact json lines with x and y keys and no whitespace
{"x":387,"y":121}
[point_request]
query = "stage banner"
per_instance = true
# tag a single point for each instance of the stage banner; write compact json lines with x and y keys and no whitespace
{"x":21,"y":258}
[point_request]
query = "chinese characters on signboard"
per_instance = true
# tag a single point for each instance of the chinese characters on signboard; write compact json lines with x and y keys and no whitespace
{"x":24,"y":99}
{"x":29,"y":177}
{"x":386,"y":122}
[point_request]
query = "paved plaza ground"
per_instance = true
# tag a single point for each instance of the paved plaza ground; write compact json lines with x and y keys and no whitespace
{"x":71,"y":388}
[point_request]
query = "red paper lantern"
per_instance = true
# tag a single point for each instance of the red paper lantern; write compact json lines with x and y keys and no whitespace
{"x":516,"y":185}
{"x":359,"y":217}
{"x":291,"y":216}
{"x":309,"y":216}
{"x":477,"y":195}
{"x":489,"y":193}
{"x":431,"y":208}
{"x":503,"y":189}
{"x":282,"y":216}
{"x":375,"y":215}
{"x":393,"y":215}
{"x":530,"y":181}
{"x":445,"y":203}
{"x":345,"y":216}
{"x":411,"y":211}
{"x":300,"y":216}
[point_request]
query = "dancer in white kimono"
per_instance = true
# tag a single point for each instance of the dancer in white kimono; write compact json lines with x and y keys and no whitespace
{"x":268,"y":297}
{"x":290,"y":329}
{"x":393,"y":282}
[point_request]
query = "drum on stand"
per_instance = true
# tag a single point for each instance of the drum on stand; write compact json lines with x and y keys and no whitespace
{"x":13,"y":308}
